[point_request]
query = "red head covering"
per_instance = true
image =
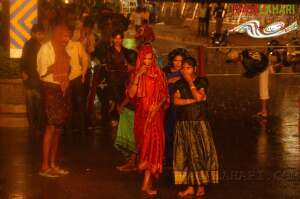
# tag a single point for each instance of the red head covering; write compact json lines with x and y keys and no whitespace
{"x":152,"y":71}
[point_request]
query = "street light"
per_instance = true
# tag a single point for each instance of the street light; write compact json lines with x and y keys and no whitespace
{"x":68,"y":1}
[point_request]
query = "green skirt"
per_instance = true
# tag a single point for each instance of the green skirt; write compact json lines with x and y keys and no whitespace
{"x":125,"y":141}
{"x":195,"y":158}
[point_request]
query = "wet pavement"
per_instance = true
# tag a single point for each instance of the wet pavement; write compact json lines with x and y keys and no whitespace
{"x":259,"y":158}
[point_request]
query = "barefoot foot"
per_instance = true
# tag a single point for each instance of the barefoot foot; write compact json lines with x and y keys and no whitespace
{"x":189,"y":191}
{"x":149,"y":191}
{"x":128,"y":166}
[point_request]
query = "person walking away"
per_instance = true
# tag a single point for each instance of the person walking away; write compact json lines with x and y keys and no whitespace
{"x":195,"y":157}
{"x":31,"y":79}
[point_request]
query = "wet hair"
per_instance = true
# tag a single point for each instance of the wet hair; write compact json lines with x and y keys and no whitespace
{"x":37,"y":28}
{"x":116,"y":33}
{"x":190,"y":61}
{"x":177,"y":52}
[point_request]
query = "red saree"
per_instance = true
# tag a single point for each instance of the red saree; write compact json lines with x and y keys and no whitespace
{"x":149,"y":134}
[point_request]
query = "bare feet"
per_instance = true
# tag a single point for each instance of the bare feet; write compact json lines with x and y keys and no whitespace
{"x":142,"y":166}
{"x":200,"y":191}
{"x":128,"y":166}
{"x":114,"y":123}
{"x":188,"y":192}
{"x":149,"y":191}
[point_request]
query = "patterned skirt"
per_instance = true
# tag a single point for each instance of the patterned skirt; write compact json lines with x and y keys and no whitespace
{"x":195,"y":158}
{"x":125,"y":141}
{"x":57,"y":106}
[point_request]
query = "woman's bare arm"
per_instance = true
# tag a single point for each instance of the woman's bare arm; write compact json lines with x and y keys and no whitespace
{"x":198,"y":94}
{"x":178,"y":101}
{"x":133,"y":85}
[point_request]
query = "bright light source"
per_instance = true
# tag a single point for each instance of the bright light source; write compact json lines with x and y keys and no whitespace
{"x":67,"y":1}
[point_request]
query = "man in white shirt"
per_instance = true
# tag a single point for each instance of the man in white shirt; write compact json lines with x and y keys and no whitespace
{"x":53,"y":68}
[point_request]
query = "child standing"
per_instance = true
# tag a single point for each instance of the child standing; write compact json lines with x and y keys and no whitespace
{"x":195,"y":159}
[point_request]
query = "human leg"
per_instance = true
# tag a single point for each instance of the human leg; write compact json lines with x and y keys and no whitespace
{"x":264,"y":93}
{"x":29,"y":94}
{"x":47,"y":144}
{"x":79,"y":104}
{"x":54,"y":151}
{"x":147,"y":184}
{"x":130,"y":165}
{"x":188,"y":191}
{"x":54,"y":148}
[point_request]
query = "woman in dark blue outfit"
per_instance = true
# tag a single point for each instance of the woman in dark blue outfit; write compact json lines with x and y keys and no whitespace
{"x":173,"y":74}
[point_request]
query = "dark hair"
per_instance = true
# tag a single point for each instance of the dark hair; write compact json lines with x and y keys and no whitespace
{"x":190,"y":61}
{"x":37,"y":28}
{"x":116,"y":33}
{"x":177,"y":52}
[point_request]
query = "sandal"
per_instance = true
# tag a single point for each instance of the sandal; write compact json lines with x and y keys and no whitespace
{"x":49,"y":173}
{"x":60,"y":171}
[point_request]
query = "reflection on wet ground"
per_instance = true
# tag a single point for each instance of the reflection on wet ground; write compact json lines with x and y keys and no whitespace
{"x":259,"y":158}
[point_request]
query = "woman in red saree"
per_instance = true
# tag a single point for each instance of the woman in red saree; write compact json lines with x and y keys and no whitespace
{"x":148,"y":87}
